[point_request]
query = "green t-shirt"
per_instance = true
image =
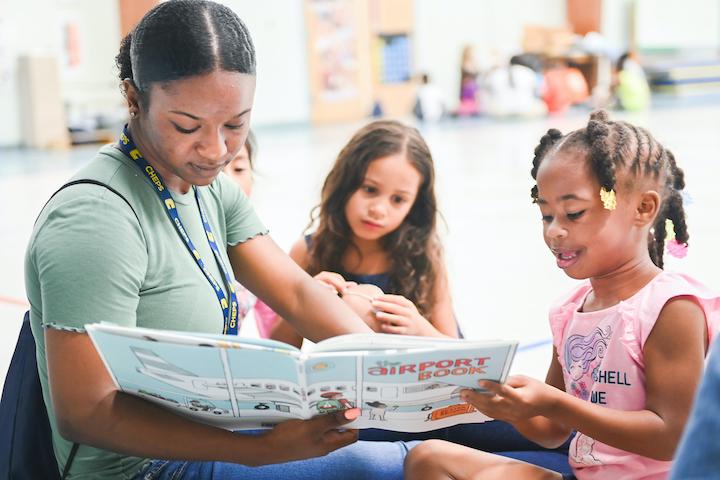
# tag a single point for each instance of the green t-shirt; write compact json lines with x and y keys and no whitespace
{"x":91,"y":259}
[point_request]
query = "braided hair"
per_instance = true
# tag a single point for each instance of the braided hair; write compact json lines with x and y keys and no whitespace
{"x":183,"y":38}
{"x":615,"y":146}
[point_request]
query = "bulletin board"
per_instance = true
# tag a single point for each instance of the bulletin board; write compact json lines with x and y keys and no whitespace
{"x":338,"y":59}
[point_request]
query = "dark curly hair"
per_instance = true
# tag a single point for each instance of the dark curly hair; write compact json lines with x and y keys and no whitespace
{"x":184,"y":38}
{"x":413,"y":248}
{"x":614,"y":147}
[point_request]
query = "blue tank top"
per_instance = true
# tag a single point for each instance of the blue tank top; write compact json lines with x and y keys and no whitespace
{"x":380,"y":280}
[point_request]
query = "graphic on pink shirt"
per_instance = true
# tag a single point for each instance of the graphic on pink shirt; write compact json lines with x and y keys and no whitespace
{"x":583,"y":353}
{"x":583,"y":451}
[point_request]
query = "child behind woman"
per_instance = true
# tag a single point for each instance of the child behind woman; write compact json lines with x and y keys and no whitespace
{"x":241,"y":169}
{"x":376,"y":225}
{"x":629,"y":344}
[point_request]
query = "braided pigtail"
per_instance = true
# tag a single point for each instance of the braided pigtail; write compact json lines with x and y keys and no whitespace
{"x":674,"y":211}
{"x":656,"y":242}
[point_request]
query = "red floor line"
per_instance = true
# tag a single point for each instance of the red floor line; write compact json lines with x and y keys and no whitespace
{"x":14,"y":301}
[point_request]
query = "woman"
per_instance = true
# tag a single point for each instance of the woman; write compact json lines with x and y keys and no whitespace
{"x":149,"y":244}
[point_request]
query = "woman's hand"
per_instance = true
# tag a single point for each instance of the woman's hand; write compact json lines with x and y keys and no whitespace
{"x":301,"y":439}
{"x":396,"y":314}
{"x":518,"y":399}
{"x":333,"y":281}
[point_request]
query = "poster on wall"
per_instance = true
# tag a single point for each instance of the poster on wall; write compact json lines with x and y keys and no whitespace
{"x":335,"y":48}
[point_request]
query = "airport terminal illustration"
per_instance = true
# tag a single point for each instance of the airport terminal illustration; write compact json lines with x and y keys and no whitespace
{"x":422,"y":401}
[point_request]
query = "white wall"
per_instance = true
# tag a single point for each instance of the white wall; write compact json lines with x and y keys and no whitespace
{"x":94,"y":84}
{"x":662,"y":24}
{"x":617,"y":22}
{"x":443,"y":28}
{"x":690,"y":24}
{"x":20,"y":36}
{"x":278,"y":31}
{"x":35,"y":28}
{"x":282,"y":92}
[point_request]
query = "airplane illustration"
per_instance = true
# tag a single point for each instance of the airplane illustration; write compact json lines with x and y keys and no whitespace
{"x":263,"y":392}
{"x":423,"y":393}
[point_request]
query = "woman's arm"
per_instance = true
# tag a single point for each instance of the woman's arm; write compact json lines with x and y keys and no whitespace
{"x":334,"y":282}
{"x":674,"y":355}
{"x":313,"y":310}
{"x":91,"y":411}
{"x":282,"y":331}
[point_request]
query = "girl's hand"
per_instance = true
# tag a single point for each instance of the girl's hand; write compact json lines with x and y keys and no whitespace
{"x":301,"y":439}
{"x":333,"y":281}
{"x":519,"y":399}
{"x":396,"y":314}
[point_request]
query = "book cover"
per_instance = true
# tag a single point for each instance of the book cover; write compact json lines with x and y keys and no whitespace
{"x":400,"y":383}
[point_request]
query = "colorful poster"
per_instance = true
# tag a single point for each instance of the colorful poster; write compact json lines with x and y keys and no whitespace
{"x":334,"y":48}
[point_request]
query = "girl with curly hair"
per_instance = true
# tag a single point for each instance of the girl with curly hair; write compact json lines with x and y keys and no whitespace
{"x":376,"y":241}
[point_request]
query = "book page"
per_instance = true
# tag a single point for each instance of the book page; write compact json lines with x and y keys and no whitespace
{"x":332,"y":381}
{"x":417,"y":391}
{"x":246,"y":385}
{"x":228,"y":384}
{"x":268,"y":387}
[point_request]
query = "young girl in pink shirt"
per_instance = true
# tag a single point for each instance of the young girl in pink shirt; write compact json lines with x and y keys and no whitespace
{"x":629,"y":341}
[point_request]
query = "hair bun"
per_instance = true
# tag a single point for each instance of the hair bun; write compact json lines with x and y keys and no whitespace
{"x":597,"y":126}
{"x":600,"y":116}
{"x":546,"y":141}
{"x":598,"y":130}
{"x":554,"y":134}
{"x":550,"y":137}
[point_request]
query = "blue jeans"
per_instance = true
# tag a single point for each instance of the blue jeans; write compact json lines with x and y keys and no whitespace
{"x":493,"y":437}
{"x":361,"y":460}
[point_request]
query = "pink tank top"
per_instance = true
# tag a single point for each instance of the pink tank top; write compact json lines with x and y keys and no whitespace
{"x":601,"y":355}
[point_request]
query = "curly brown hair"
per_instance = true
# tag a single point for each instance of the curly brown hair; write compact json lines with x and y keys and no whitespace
{"x":414,"y":248}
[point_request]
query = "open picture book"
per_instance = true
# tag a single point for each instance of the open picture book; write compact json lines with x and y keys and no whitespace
{"x":402,"y":383}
